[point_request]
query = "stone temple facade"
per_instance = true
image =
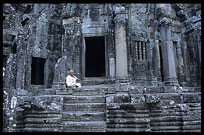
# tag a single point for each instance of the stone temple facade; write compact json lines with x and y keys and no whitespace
{"x":139,"y":66}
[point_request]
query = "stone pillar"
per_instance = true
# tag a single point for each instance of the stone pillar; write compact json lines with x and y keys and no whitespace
{"x":120,"y":43}
{"x":180,"y":62}
{"x":112,"y":67}
{"x":199,"y":48}
{"x":20,"y":78}
{"x":62,"y":68}
{"x":169,"y":68}
{"x":185,"y":58}
{"x":157,"y":60}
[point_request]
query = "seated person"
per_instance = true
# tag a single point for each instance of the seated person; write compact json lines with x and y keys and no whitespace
{"x":71,"y":80}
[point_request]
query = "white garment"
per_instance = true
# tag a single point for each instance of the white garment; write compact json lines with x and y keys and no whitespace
{"x":72,"y":81}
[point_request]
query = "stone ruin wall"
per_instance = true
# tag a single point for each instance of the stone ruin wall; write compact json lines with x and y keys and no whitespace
{"x":37,"y":30}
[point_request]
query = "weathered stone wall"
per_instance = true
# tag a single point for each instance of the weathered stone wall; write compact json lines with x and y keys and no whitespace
{"x":152,"y":50}
{"x":138,"y":35}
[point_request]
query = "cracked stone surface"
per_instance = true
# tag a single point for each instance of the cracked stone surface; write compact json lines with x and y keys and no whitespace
{"x":152,"y":79}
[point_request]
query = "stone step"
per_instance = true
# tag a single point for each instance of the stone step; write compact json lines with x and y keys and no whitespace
{"x":98,"y":107}
{"x":127,"y":111}
{"x":127,"y":106}
{"x":83,"y":116}
{"x":41,"y":129}
{"x":84,"y":99}
{"x":96,"y":126}
{"x":168,"y":123}
{"x":127,"y":115}
{"x":127,"y":125}
{"x":191,"y":89}
{"x":42,"y":125}
{"x":88,"y":93}
{"x":42,"y":120}
{"x":128,"y":129}
{"x":166,"y":118}
{"x":166,"y":128}
{"x":128,"y":120}
{"x":96,"y":81}
{"x":33,"y":115}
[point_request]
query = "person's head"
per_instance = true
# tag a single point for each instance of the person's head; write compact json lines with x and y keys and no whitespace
{"x":71,"y":72}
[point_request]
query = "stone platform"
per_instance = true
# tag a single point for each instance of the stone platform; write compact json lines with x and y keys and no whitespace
{"x":101,"y":108}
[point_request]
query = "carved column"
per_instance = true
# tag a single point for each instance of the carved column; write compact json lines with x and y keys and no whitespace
{"x":169,"y":67}
{"x":120,"y":43}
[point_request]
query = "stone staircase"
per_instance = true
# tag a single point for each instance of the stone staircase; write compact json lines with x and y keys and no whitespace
{"x":100,"y":108}
{"x":84,"y":111}
{"x":91,"y":81}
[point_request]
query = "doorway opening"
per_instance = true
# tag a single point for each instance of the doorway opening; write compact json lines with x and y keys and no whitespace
{"x":95,"y":57}
{"x":4,"y":60}
{"x":37,"y":71}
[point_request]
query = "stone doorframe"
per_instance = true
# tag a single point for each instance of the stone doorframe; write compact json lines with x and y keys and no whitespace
{"x":83,"y":55}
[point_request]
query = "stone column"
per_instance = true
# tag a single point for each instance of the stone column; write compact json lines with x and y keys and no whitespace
{"x":20,"y":77}
{"x":120,"y":43}
{"x":157,"y":60}
{"x":169,"y":68}
{"x":180,"y":62}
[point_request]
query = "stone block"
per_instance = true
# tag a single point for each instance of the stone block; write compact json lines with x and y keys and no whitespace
{"x":83,"y":116}
{"x":177,"y":98}
{"x":122,"y":98}
{"x":192,"y":98}
{"x":84,"y":99}
{"x":84,"y":107}
{"x":128,"y":115}
{"x":127,"y":120}
{"x":192,"y":117}
{"x":48,"y":103}
{"x":134,"y":106}
{"x":137,"y":98}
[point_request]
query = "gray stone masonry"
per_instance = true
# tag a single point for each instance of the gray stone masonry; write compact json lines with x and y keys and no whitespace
{"x":146,"y":76}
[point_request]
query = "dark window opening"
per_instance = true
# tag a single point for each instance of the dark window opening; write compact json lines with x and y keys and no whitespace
{"x":138,"y":50}
{"x":37,"y":71}
{"x":142,"y":45}
{"x":161,"y":64}
{"x":24,"y":22}
{"x":4,"y":17}
{"x":4,"y":60}
{"x":13,"y":37}
{"x":95,"y":57}
{"x":6,"y":45}
{"x":14,"y":48}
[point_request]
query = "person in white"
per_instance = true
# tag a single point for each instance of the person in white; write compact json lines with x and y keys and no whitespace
{"x":71,"y":80}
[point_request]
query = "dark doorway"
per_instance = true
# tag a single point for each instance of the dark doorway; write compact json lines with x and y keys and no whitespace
{"x":161,"y":63}
{"x":37,"y":73}
{"x":4,"y":60}
{"x":95,"y":57}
